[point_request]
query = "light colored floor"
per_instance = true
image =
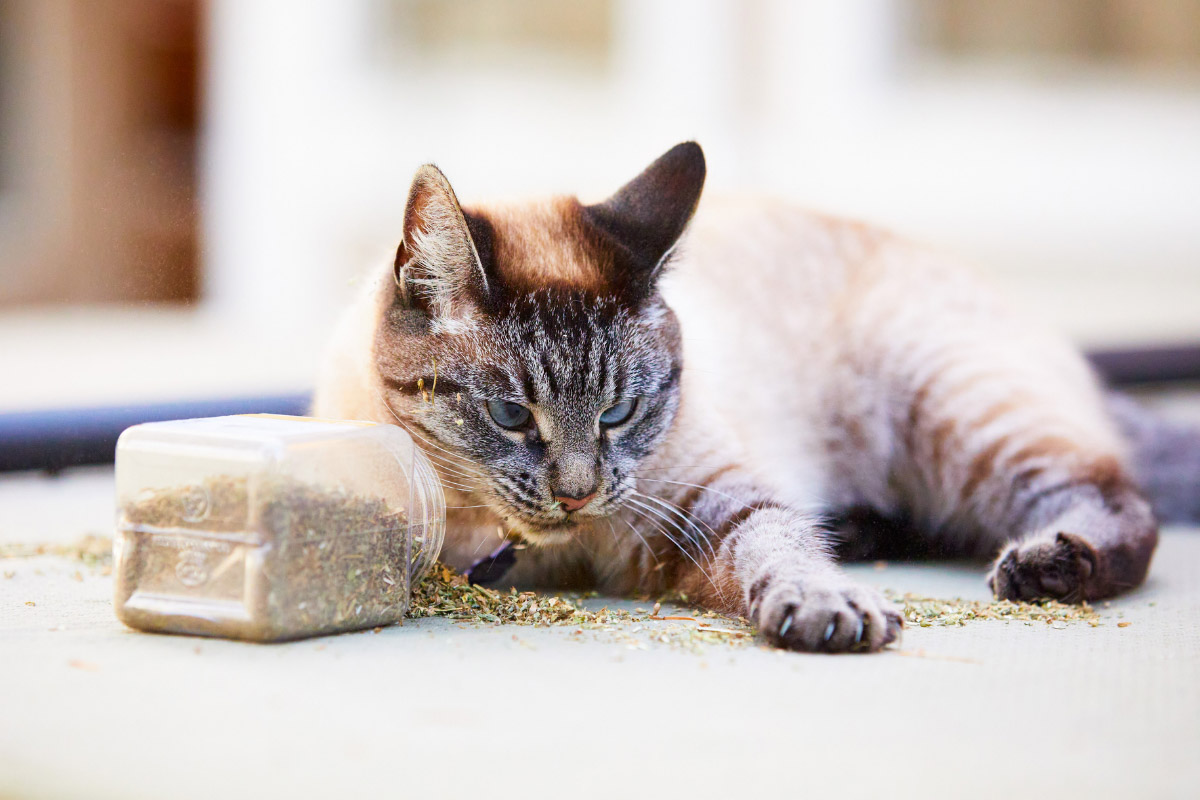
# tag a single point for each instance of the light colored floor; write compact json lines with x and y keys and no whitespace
{"x":432,"y":708}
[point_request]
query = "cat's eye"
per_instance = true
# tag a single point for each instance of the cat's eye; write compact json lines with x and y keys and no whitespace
{"x":620,"y":412}
{"x":508,"y":415}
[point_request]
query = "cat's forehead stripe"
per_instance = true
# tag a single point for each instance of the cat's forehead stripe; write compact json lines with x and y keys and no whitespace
{"x":548,"y":371}
{"x":535,"y":245}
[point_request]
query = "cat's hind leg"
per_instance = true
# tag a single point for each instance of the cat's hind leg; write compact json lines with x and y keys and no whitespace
{"x":994,"y":438}
{"x":1093,"y":541}
{"x":998,"y":459}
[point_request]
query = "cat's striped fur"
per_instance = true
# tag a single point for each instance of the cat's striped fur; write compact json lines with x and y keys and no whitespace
{"x":806,"y":384}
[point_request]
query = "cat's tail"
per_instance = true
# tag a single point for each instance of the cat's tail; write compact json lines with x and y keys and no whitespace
{"x":1164,"y":456}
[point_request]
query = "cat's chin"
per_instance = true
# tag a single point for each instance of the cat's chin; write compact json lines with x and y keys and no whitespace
{"x":547,"y":538}
{"x":543,"y":534}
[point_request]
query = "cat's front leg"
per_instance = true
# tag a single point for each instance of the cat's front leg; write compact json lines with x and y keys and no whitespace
{"x":773,"y":566}
{"x":793,"y":592}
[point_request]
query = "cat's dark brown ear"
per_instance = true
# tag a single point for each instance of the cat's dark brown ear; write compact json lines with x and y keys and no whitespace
{"x":646,"y":217}
{"x":437,"y":267}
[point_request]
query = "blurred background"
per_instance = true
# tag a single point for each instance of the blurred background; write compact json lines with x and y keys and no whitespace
{"x":190,"y":190}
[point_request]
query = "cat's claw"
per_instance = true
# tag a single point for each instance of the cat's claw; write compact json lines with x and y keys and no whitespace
{"x":825,"y":614}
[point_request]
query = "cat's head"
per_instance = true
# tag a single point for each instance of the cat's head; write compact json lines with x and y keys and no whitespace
{"x":557,"y":363}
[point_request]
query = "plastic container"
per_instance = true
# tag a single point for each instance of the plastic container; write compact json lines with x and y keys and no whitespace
{"x":266,"y":527}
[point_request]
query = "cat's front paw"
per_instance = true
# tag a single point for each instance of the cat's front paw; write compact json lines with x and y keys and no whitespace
{"x":1058,"y":568}
{"x":826,"y":614}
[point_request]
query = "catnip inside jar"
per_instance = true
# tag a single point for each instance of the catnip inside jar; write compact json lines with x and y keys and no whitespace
{"x":267,"y":528}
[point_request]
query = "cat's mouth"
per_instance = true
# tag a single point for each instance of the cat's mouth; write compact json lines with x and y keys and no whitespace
{"x":538,"y":515}
{"x":544,"y":530}
{"x":541,"y":525}
{"x":547,"y":538}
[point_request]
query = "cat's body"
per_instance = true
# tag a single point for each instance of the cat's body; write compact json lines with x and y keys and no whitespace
{"x":814,"y":374}
{"x":858,"y":369}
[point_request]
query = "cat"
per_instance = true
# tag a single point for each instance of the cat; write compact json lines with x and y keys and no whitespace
{"x":655,"y":396}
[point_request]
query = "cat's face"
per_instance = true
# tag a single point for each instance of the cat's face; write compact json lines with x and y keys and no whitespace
{"x":547,"y":409}
{"x":557,"y":363}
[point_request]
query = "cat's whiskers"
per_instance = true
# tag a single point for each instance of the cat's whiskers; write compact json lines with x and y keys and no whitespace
{"x":613,"y":530}
{"x":448,"y":456}
{"x":693,"y":486}
{"x":463,"y":489}
{"x":578,"y":539}
{"x":443,"y":463}
{"x":466,"y":488}
{"x":647,"y":509}
{"x":682,"y":466}
{"x":453,"y":458}
{"x":657,"y":521}
{"x":653,"y":553}
{"x":686,"y":533}
{"x":460,"y":484}
{"x":687,"y":517}
{"x":608,"y":566}
{"x":671,"y":525}
{"x":446,"y":464}
{"x":447,"y":469}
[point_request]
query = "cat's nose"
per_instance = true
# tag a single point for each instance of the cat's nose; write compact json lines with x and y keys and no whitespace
{"x":573,"y":503}
{"x":573,"y":479}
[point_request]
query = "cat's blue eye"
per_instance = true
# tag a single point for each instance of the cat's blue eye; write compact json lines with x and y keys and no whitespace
{"x":616,"y":414}
{"x":508,"y":415}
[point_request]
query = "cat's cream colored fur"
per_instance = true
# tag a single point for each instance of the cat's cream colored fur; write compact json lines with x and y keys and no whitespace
{"x":841,"y":367}
{"x":832,"y":329}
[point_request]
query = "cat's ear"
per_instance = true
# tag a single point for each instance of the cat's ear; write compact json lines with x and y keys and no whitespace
{"x":646,"y":217}
{"x":437,"y":267}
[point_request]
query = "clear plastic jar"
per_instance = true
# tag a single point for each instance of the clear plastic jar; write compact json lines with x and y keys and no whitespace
{"x":266,"y":527}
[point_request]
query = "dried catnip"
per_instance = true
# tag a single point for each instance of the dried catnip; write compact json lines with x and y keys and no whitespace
{"x":270,"y":528}
{"x":315,"y":561}
{"x":928,"y":612}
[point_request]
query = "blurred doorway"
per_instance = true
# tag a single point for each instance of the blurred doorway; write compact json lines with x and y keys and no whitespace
{"x":100,"y":117}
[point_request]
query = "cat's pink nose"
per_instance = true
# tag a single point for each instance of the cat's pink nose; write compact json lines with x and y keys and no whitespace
{"x":573,"y":503}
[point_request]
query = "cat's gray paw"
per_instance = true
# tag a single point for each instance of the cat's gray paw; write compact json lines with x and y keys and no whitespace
{"x":1060,"y":568}
{"x":827,"y":614}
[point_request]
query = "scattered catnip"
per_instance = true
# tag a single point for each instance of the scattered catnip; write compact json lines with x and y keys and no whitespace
{"x":92,"y":551}
{"x":446,"y":593}
{"x":927,"y":612}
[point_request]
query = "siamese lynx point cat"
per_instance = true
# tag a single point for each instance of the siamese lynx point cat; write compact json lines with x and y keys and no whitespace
{"x":656,"y":394}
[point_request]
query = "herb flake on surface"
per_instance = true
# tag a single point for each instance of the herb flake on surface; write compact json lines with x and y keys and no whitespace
{"x":927,"y":612}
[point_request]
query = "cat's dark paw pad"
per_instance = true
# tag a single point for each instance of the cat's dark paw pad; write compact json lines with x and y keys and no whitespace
{"x":1061,"y":568}
{"x":827,"y":615}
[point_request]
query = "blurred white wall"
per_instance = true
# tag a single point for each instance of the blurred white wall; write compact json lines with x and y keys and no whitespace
{"x":1079,"y":189}
{"x":1075,"y":183}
